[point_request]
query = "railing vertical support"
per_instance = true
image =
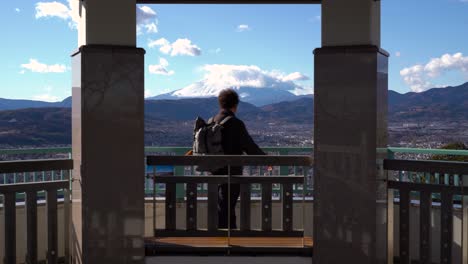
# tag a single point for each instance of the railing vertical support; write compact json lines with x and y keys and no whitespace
{"x":266,"y":206}
{"x":446,"y":225}
{"x":465,"y":221}
{"x":31,"y":227}
{"x":191,"y":206}
{"x":390,"y":225}
{"x":67,"y":223}
{"x":154,"y":200}
{"x":229,"y":208}
{"x":10,"y":222}
{"x":287,"y":207}
{"x":52,"y":241}
{"x":425,"y":241}
{"x":212,"y":207}
{"x":171,"y":206}
{"x":404,"y":226}
{"x":245,"y":207}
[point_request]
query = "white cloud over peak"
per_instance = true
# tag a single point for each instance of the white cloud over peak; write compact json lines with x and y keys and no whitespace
{"x":161,"y":68}
{"x":180,"y":47}
{"x":17,"y":10}
{"x":295,"y":76}
{"x":46,"y":96}
{"x":35,"y":66}
{"x":419,"y":76}
{"x":243,"y":27}
{"x":147,"y":19}
{"x":221,"y":76}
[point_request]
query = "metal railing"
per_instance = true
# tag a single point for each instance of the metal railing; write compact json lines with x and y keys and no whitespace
{"x":213,"y":181}
{"x":31,"y":191}
{"x":448,"y":179}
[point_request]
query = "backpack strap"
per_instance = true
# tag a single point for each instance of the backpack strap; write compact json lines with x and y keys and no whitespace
{"x":227,"y":118}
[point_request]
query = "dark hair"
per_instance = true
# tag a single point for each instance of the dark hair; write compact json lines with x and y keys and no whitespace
{"x":228,"y":99}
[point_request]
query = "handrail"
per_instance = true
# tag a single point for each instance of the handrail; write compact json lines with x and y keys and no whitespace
{"x":182,"y":150}
{"x":34,"y":187}
{"x":424,"y":151}
{"x":35,"y":165}
{"x":232,"y":160}
{"x":224,"y":179}
{"x":454,"y":167}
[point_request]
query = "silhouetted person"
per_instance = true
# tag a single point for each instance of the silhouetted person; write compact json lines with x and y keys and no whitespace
{"x":235,"y":141}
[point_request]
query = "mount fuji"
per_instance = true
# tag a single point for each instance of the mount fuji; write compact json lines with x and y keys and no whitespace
{"x":252,"y":95}
{"x":254,"y":85}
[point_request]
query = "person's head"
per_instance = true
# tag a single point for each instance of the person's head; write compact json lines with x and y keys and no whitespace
{"x":228,"y":99}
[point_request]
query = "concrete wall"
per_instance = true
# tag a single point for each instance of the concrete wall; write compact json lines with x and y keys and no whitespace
{"x":256,"y":213}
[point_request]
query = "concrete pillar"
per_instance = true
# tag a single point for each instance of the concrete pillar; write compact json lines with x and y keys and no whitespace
{"x":350,"y":123}
{"x":108,"y":135}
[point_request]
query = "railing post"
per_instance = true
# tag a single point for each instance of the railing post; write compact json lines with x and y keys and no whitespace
{"x":465,"y":220}
{"x":446,"y":224}
{"x":52,"y":241}
{"x":31,"y":227}
{"x":154,"y":200}
{"x":9,"y":203}
{"x":67,"y":223}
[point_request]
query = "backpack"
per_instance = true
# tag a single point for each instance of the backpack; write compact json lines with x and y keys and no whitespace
{"x":207,"y":140}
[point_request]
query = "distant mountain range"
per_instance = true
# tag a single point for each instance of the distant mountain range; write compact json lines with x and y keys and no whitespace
{"x":42,"y":124}
{"x":252,"y":95}
{"x":12,"y":104}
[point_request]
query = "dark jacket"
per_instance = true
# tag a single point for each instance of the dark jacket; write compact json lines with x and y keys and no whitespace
{"x":235,"y":140}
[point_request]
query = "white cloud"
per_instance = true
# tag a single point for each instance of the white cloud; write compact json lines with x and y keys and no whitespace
{"x":295,"y":76}
{"x":161,"y":68}
{"x":148,"y":93}
{"x":17,"y":10}
{"x":179,"y":47}
{"x":56,"y":9}
{"x":146,"y":20}
{"x":221,"y":76}
{"x":146,"y":17}
{"x":46,"y":98}
{"x":418,"y":76}
{"x":305,"y":90}
{"x":397,"y":54}
{"x":35,"y":66}
{"x":52,"y":9}
{"x":243,"y":27}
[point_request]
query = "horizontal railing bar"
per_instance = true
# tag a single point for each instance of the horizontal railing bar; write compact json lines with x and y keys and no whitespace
{"x":228,"y":2}
{"x":34,"y":186}
{"x":223,"y":233}
{"x":233,"y":160}
{"x":433,"y":188}
{"x":456,"y":152}
{"x":35,"y":165}
{"x":267,"y":179}
{"x":191,"y":179}
{"x":451,"y":167}
{"x":234,"y":179}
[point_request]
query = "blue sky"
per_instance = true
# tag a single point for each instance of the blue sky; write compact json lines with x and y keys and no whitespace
{"x":427,"y":40}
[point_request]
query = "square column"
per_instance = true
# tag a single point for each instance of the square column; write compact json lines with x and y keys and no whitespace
{"x":350,"y":124}
{"x":108,"y":153}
